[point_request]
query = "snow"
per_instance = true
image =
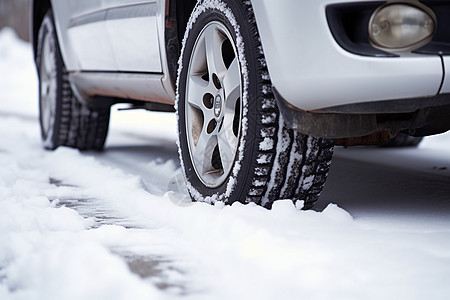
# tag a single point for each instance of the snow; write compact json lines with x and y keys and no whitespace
{"x":107,"y":225}
{"x":266,"y":144}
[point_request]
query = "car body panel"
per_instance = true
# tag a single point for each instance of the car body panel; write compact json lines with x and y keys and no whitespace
{"x":90,"y":43}
{"x":63,"y":13}
{"x":94,"y":36}
{"x":131,"y":86}
{"x":307,"y":66}
{"x":446,"y":83}
{"x":137,"y":52}
{"x":311,"y":71}
{"x":98,"y":35}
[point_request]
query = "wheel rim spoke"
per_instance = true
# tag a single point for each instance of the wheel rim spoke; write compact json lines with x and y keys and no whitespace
{"x":197,"y":90}
{"x":226,"y":149}
{"x":203,"y":153}
{"x":213,"y":44}
{"x":198,"y":93}
{"x":232,"y":81}
{"x":47,"y":61}
{"x":229,"y":121}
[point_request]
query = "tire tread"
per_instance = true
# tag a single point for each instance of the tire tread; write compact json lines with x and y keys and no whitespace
{"x":76,"y":124}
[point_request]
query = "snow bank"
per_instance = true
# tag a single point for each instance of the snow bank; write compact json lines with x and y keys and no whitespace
{"x":44,"y":253}
{"x":18,"y":79}
{"x":53,"y":253}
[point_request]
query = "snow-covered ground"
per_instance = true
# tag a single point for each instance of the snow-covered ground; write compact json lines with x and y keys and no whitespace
{"x":111,"y":226}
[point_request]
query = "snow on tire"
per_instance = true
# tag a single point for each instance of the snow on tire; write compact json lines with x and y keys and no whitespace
{"x":64,"y":120}
{"x":233,"y":142}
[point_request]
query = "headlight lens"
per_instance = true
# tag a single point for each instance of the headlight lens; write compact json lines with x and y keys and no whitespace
{"x":401,"y":27}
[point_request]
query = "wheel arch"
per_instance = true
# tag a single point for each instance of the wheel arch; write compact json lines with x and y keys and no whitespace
{"x":38,"y":10}
{"x":177,"y":17}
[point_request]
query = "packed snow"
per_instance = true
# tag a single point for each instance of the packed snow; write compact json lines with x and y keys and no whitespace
{"x":119,"y":225}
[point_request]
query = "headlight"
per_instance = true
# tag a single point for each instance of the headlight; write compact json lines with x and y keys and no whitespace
{"x":401,"y":27}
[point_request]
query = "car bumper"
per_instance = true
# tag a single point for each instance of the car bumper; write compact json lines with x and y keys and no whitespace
{"x":311,"y":71}
{"x":446,"y":84}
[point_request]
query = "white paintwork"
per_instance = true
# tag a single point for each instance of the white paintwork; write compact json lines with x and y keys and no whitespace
{"x":446,"y":85}
{"x":107,"y":45}
{"x":105,"y":4}
{"x":77,"y":8}
{"x":147,"y":87}
{"x":63,"y":13}
{"x":92,"y":47}
{"x":308,"y":68}
{"x":78,"y":54}
{"x":139,"y":51}
{"x":311,"y":71}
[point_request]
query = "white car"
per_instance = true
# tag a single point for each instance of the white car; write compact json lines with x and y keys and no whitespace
{"x":262,"y":89}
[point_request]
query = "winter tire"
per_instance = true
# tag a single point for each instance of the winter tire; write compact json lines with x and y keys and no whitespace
{"x":64,"y":120}
{"x":234,"y":144}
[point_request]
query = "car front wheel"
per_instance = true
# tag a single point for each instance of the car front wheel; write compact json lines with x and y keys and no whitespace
{"x":233,"y":142}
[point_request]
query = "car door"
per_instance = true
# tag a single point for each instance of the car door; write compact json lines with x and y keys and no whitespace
{"x":83,"y":32}
{"x":133,"y":31}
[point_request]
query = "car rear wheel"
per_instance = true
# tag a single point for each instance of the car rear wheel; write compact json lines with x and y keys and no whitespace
{"x":64,"y":120}
{"x":233,"y":142}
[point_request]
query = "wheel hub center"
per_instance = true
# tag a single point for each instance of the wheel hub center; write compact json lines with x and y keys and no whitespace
{"x":217,"y":106}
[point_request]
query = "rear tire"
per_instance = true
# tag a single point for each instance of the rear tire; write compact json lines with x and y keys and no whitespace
{"x":64,"y":120}
{"x":234,"y":145}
